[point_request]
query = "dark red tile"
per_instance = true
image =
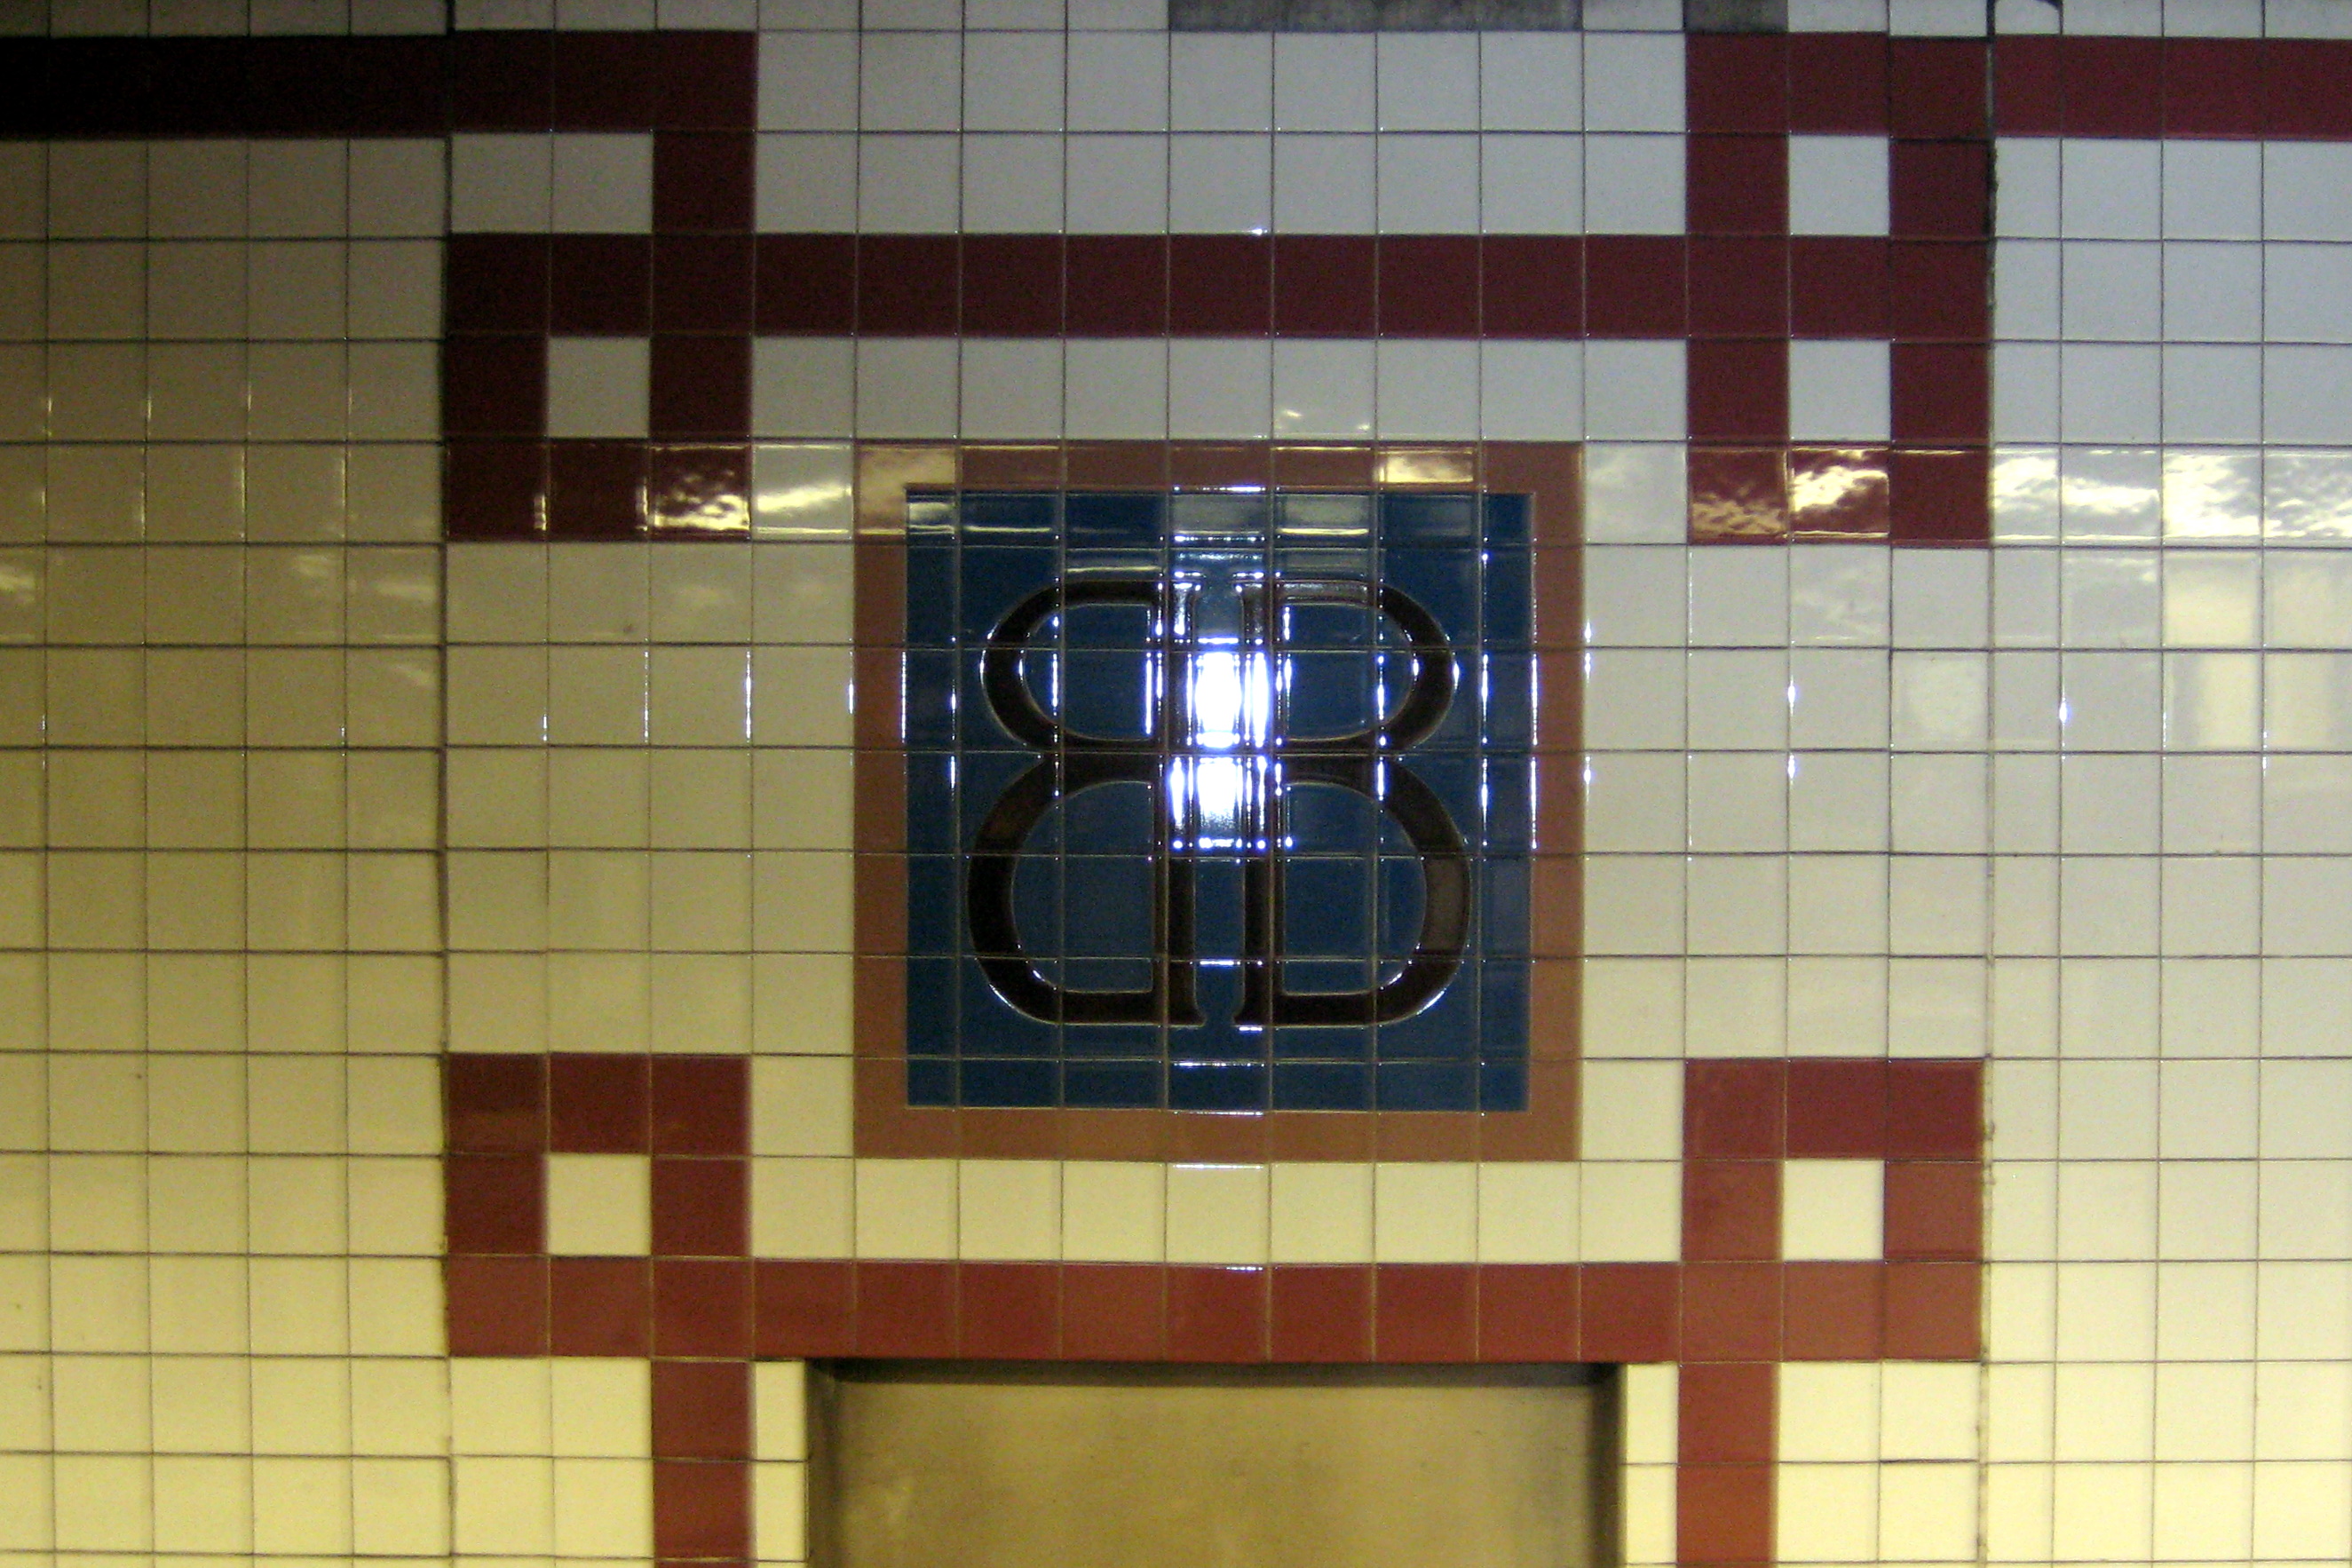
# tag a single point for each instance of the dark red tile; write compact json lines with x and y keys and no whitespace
{"x":1323,"y":285}
{"x":1837,"y":1109}
{"x":804,"y":1308}
{"x":290,"y":85}
{"x":1731,"y":1209}
{"x":702,"y":1307}
{"x":604,"y":81}
{"x":1733,"y":1110}
{"x":1532,"y":285}
{"x":1113,"y":1312}
{"x":495,"y":1306}
{"x":1739,"y":494}
{"x":1939,"y":289}
{"x":701,"y":388}
{"x":1940,"y":190}
{"x":1932,"y":1312}
{"x":1935,"y":1111}
{"x":1012,"y":285}
{"x":396,"y":86}
{"x":1115,"y":285}
{"x":501,"y":81}
{"x":1941,"y":393}
{"x":1739,"y":288}
{"x":496,"y":283}
{"x":701,"y":1105}
{"x":1831,"y":1311}
{"x":1738,"y":389}
{"x":1723,"y":1514}
{"x":596,"y":489}
{"x":1935,"y":1211}
{"x":1837,"y":287}
{"x":2213,"y":87}
{"x":2026,"y":97}
{"x":1321,"y":1314}
{"x":496,"y":1203}
{"x":701,"y":1207}
{"x":1009,"y":1312}
{"x":807,"y":283}
{"x":702,"y":283}
{"x":1529,"y":1313}
{"x":601,"y":1306}
{"x":1731,"y":1312}
{"x":1837,"y":83}
{"x":2306,"y":96}
{"x":1425,"y":1312}
{"x":494,"y":387}
{"x":707,"y":81}
{"x":600,"y":283}
{"x":1635,"y":286}
{"x":1216,"y":1314}
{"x":1429,"y":286}
{"x":1725,"y":1413}
{"x":495,"y":1104}
{"x":1736,"y":81}
{"x":596,"y":1104}
{"x":699,"y":490}
{"x":1738,"y":184}
{"x":702,"y":1508}
{"x":702,"y":1409}
{"x":1838,"y":492}
{"x":494,"y":489}
{"x":906,"y":285}
{"x":2113,"y":86}
{"x":1940,"y":497}
{"x":906,"y":1308}
{"x":702,"y":180}
{"x":1937,"y":87}
{"x":1220,"y":285}
{"x":1631,"y":1311}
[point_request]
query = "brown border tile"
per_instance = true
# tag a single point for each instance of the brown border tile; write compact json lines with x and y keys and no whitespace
{"x":1551,"y":473}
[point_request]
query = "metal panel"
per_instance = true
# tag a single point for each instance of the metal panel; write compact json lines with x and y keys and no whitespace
{"x":937,"y":1465}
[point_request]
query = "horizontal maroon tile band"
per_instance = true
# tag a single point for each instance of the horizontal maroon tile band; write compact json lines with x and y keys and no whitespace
{"x":422,"y":86}
{"x":1153,"y":286}
{"x":1697,"y":1312}
{"x":1853,"y":83}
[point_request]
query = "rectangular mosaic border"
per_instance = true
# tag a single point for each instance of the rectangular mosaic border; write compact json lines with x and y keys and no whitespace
{"x":886,"y":1127}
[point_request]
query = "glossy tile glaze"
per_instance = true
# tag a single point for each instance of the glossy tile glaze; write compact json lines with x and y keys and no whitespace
{"x":1933,"y":1087}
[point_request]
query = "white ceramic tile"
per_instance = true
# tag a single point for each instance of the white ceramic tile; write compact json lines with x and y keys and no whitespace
{"x":1837,"y":184}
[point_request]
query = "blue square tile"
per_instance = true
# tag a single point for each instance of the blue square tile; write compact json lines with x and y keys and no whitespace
{"x":1138,"y":763}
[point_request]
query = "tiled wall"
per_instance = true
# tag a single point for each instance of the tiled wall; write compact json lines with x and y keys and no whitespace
{"x":445,"y":957}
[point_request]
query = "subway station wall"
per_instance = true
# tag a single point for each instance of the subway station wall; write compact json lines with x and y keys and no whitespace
{"x":507,"y":512}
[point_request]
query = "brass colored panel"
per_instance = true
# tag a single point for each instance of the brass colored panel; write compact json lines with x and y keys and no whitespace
{"x":936,"y":1465}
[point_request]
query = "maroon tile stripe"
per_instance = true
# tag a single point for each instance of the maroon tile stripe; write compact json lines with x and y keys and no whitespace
{"x":1730,"y":1313}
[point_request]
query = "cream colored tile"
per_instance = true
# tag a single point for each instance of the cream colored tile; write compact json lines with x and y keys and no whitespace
{"x":300,"y":1306}
{"x":1425,"y":1213}
{"x":1114,"y":1212}
{"x":204,"y":1504}
{"x":1217,"y":1214}
{"x":399,"y":1408}
{"x":101,"y":1404}
{"x":201,"y":1405}
{"x":1631,"y":1212}
{"x":401,"y":1506}
{"x":1319,"y":1213}
{"x":1832,"y":1209}
{"x":802,"y":1209}
{"x":1631,"y":1110}
{"x":1929,"y":1411}
{"x":301,"y":1405}
{"x":500,"y":1407}
{"x":1529,"y":1212}
{"x":503,"y":1506}
{"x":599,"y":1205}
{"x":1009,"y":1210}
{"x":780,"y":1410}
{"x":1829,"y":1412}
{"x":600,"y":1409}
{"x":604,"y":1508}
{"x":906,"y":1208}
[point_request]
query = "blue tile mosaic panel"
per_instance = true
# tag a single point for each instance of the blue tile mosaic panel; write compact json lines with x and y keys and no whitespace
{"x":1218,"y":802}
